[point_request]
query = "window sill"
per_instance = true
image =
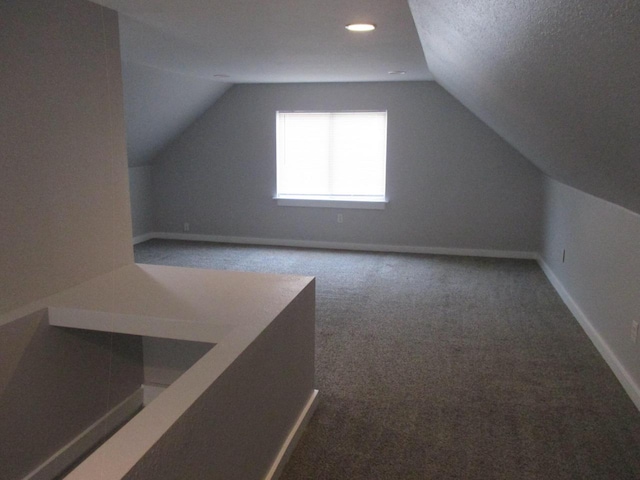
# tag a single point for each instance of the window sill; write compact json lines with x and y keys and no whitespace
{"x":368,"y":203}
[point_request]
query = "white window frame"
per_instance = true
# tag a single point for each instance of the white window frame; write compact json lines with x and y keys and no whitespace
{"x":376,"y":202}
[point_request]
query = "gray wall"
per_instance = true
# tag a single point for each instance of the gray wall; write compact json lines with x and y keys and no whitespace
{"x":165,"y":359}
{"x":64,"y":193}
{"x":451,"y":181}
{"x":141,"y":192}
{"x":55,"y":383}
{"x":159,"y":105}
{"x":64,"y":218}
{"x":601,"y":270}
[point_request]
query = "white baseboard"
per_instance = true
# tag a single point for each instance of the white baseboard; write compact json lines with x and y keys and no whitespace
{"x":368,"y":247}
{"x":143,"y":238}
{"x":609,"y":356}
{"x":77,"y":447}
{"x":292,"y":439}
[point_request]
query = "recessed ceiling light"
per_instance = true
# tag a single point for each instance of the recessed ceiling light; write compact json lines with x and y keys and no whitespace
{"x":221,"y":75}
{"x":397,"y":72}
{"x":360,"y":27}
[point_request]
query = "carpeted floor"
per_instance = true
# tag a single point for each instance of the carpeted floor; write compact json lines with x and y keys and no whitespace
{"x":436,"y":367}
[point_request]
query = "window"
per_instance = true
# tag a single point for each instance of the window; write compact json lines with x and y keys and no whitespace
{"x":331,"y":158}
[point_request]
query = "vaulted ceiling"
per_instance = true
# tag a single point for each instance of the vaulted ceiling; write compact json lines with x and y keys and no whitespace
{"x":265,"y":41}
{"x":558,"y":79}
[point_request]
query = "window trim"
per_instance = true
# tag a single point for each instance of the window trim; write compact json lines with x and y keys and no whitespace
{"x":334,"y":201}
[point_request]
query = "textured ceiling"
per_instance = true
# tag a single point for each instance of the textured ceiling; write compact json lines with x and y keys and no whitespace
{"x":272,"y":40}
{"x":558,"y":79}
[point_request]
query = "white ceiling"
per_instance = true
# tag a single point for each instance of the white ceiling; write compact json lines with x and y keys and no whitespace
{"x":272,"y":40}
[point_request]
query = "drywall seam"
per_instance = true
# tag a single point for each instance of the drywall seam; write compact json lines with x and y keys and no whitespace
{"x":623,"y":376}
{"x":368,"y":247}
{"x":77,"y":447}
{"x":292,"y":439}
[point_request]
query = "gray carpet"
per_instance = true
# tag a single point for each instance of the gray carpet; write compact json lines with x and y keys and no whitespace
{"x":436,"y":367}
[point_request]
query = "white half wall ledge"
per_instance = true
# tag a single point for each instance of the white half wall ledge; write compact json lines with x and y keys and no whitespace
{"x":363,"y":247}
{"x":621,"y":373}
{"x":263,"y":326}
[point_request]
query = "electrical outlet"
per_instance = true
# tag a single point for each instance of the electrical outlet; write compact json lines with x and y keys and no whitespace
{"x":340,"y":218}
{"x":634,"y":331}
{"x":185,"y":227}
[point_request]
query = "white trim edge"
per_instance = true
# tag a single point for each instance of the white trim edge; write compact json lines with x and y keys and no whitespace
{"x":367,"y":247}
{"x":143,"y":238}
{"x":331,"y":203}
{"x":292,"y":439}
{"x":630,"y":386}
{"x":77,"y":447}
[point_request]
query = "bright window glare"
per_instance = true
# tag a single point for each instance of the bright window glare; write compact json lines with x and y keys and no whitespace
{"x":331,"y":154}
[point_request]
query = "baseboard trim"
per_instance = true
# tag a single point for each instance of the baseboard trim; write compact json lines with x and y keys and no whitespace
{"x":623,"y":376}
{"x":292,"y":439}
{"x":144,"y":237}
{"x":77,"y":447}
{"x":368,"y":247}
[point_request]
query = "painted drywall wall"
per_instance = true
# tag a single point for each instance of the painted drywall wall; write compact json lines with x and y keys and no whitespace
{"x":55,"y":383}
{"x":451,"y":181}
{"x":64,"y":193}
{"x":159,"y":105}
{"x":165,"y":359}
{"x":236,"y":427}
{"x":141,"y":193}
{"x":601,"y":267}
{"x":559,"y":80}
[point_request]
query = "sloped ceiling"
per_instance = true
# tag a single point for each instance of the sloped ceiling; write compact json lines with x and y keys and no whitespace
{"x":180,"y":56}
{"x":159,"y":105}
{"x":558,"y":79}
{"x":266,"y":41}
